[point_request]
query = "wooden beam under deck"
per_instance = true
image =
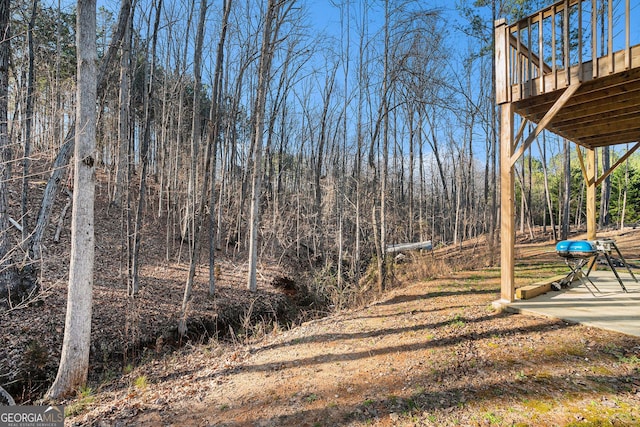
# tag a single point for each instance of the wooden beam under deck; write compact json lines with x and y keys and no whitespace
{"x":602,"y":88}
{"x":605,"y":140}
{"x":604,"y":111}
{"x":589,"y":101}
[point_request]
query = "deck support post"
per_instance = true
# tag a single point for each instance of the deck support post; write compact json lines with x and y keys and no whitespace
{"x":507,"y":204}
{"x":591,"y":193}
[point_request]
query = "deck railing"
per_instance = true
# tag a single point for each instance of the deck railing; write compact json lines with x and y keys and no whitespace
{"x":569,"y":41}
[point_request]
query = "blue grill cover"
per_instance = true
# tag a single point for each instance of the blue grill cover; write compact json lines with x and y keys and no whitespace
{"x":576,"y":248}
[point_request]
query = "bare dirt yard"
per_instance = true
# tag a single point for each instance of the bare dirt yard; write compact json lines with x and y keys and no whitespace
{"x":431,"y":352}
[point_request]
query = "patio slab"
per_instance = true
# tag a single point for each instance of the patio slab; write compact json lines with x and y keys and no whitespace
{"x":611,"y":308}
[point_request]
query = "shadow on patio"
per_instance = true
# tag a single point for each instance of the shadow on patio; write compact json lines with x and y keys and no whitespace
{"x":611,"y":308}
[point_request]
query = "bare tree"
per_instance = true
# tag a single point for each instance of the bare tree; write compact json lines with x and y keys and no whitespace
{"x":144,"y":157}
{"x":624,"y":190}
{"x":123,"y":117}
{"x":8,"y":274}
{"x":547,"y":192}
{"x":605,"y":190}
{"x":28,"y":125}
{"x":323,"y":137}
{"x":196,"y":216}
{"x":275,"y":14}
{"x":74,"y":359}
{"x":215,"y":126}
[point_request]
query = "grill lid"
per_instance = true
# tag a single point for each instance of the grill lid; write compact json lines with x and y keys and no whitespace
{"x":576,"y":248}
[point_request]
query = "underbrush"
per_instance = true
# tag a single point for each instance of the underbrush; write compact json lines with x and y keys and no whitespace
{"x":408,"y":267}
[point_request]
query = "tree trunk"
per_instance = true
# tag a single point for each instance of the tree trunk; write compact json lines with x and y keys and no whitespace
{"x":144,"y":158}
{"x":74,"y":359}
{"x":123,"y":117}
{"x":380,"y":228}
{"x":215,"y":122}
{"x":624,"y":194}
{"x":493,"y":142}
{"x":8,"y":273}
{"x":122,"y":196}
{"x":547,"y":192}
{"x":322,"y":140}
{"x":198,"y":214}
{"x":567,"y":192}
{"x":605,"y":190}
{"x":357,"y":267}
{"x":264,"y":68}
{"x":26,"y":162}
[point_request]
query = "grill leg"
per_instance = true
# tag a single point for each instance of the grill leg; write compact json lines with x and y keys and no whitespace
{"x":624,"y":262}
{"x":592,"y":263}
{"x":576,"y":264}
{"x":608,"y":258}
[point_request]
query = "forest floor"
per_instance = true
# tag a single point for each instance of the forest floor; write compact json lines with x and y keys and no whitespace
{"x":432,"y":350}
{"x":127,"y":330}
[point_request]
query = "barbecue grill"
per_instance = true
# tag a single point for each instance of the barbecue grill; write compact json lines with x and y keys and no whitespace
{"x":576,"y":254}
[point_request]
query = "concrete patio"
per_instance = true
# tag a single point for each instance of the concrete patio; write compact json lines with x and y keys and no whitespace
{"x":611,"y":308}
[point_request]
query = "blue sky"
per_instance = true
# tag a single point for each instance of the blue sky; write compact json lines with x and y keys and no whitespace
{"x":326,"y":16}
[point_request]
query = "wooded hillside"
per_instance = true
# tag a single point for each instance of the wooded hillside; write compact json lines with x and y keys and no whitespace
{"x":243,"y":133}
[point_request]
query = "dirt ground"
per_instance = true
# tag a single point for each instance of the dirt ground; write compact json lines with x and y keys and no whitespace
{"x":433,"y":352}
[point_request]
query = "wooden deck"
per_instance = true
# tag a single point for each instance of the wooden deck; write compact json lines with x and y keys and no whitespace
{"x":604,"y":106}
{"x":572,"y":68}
